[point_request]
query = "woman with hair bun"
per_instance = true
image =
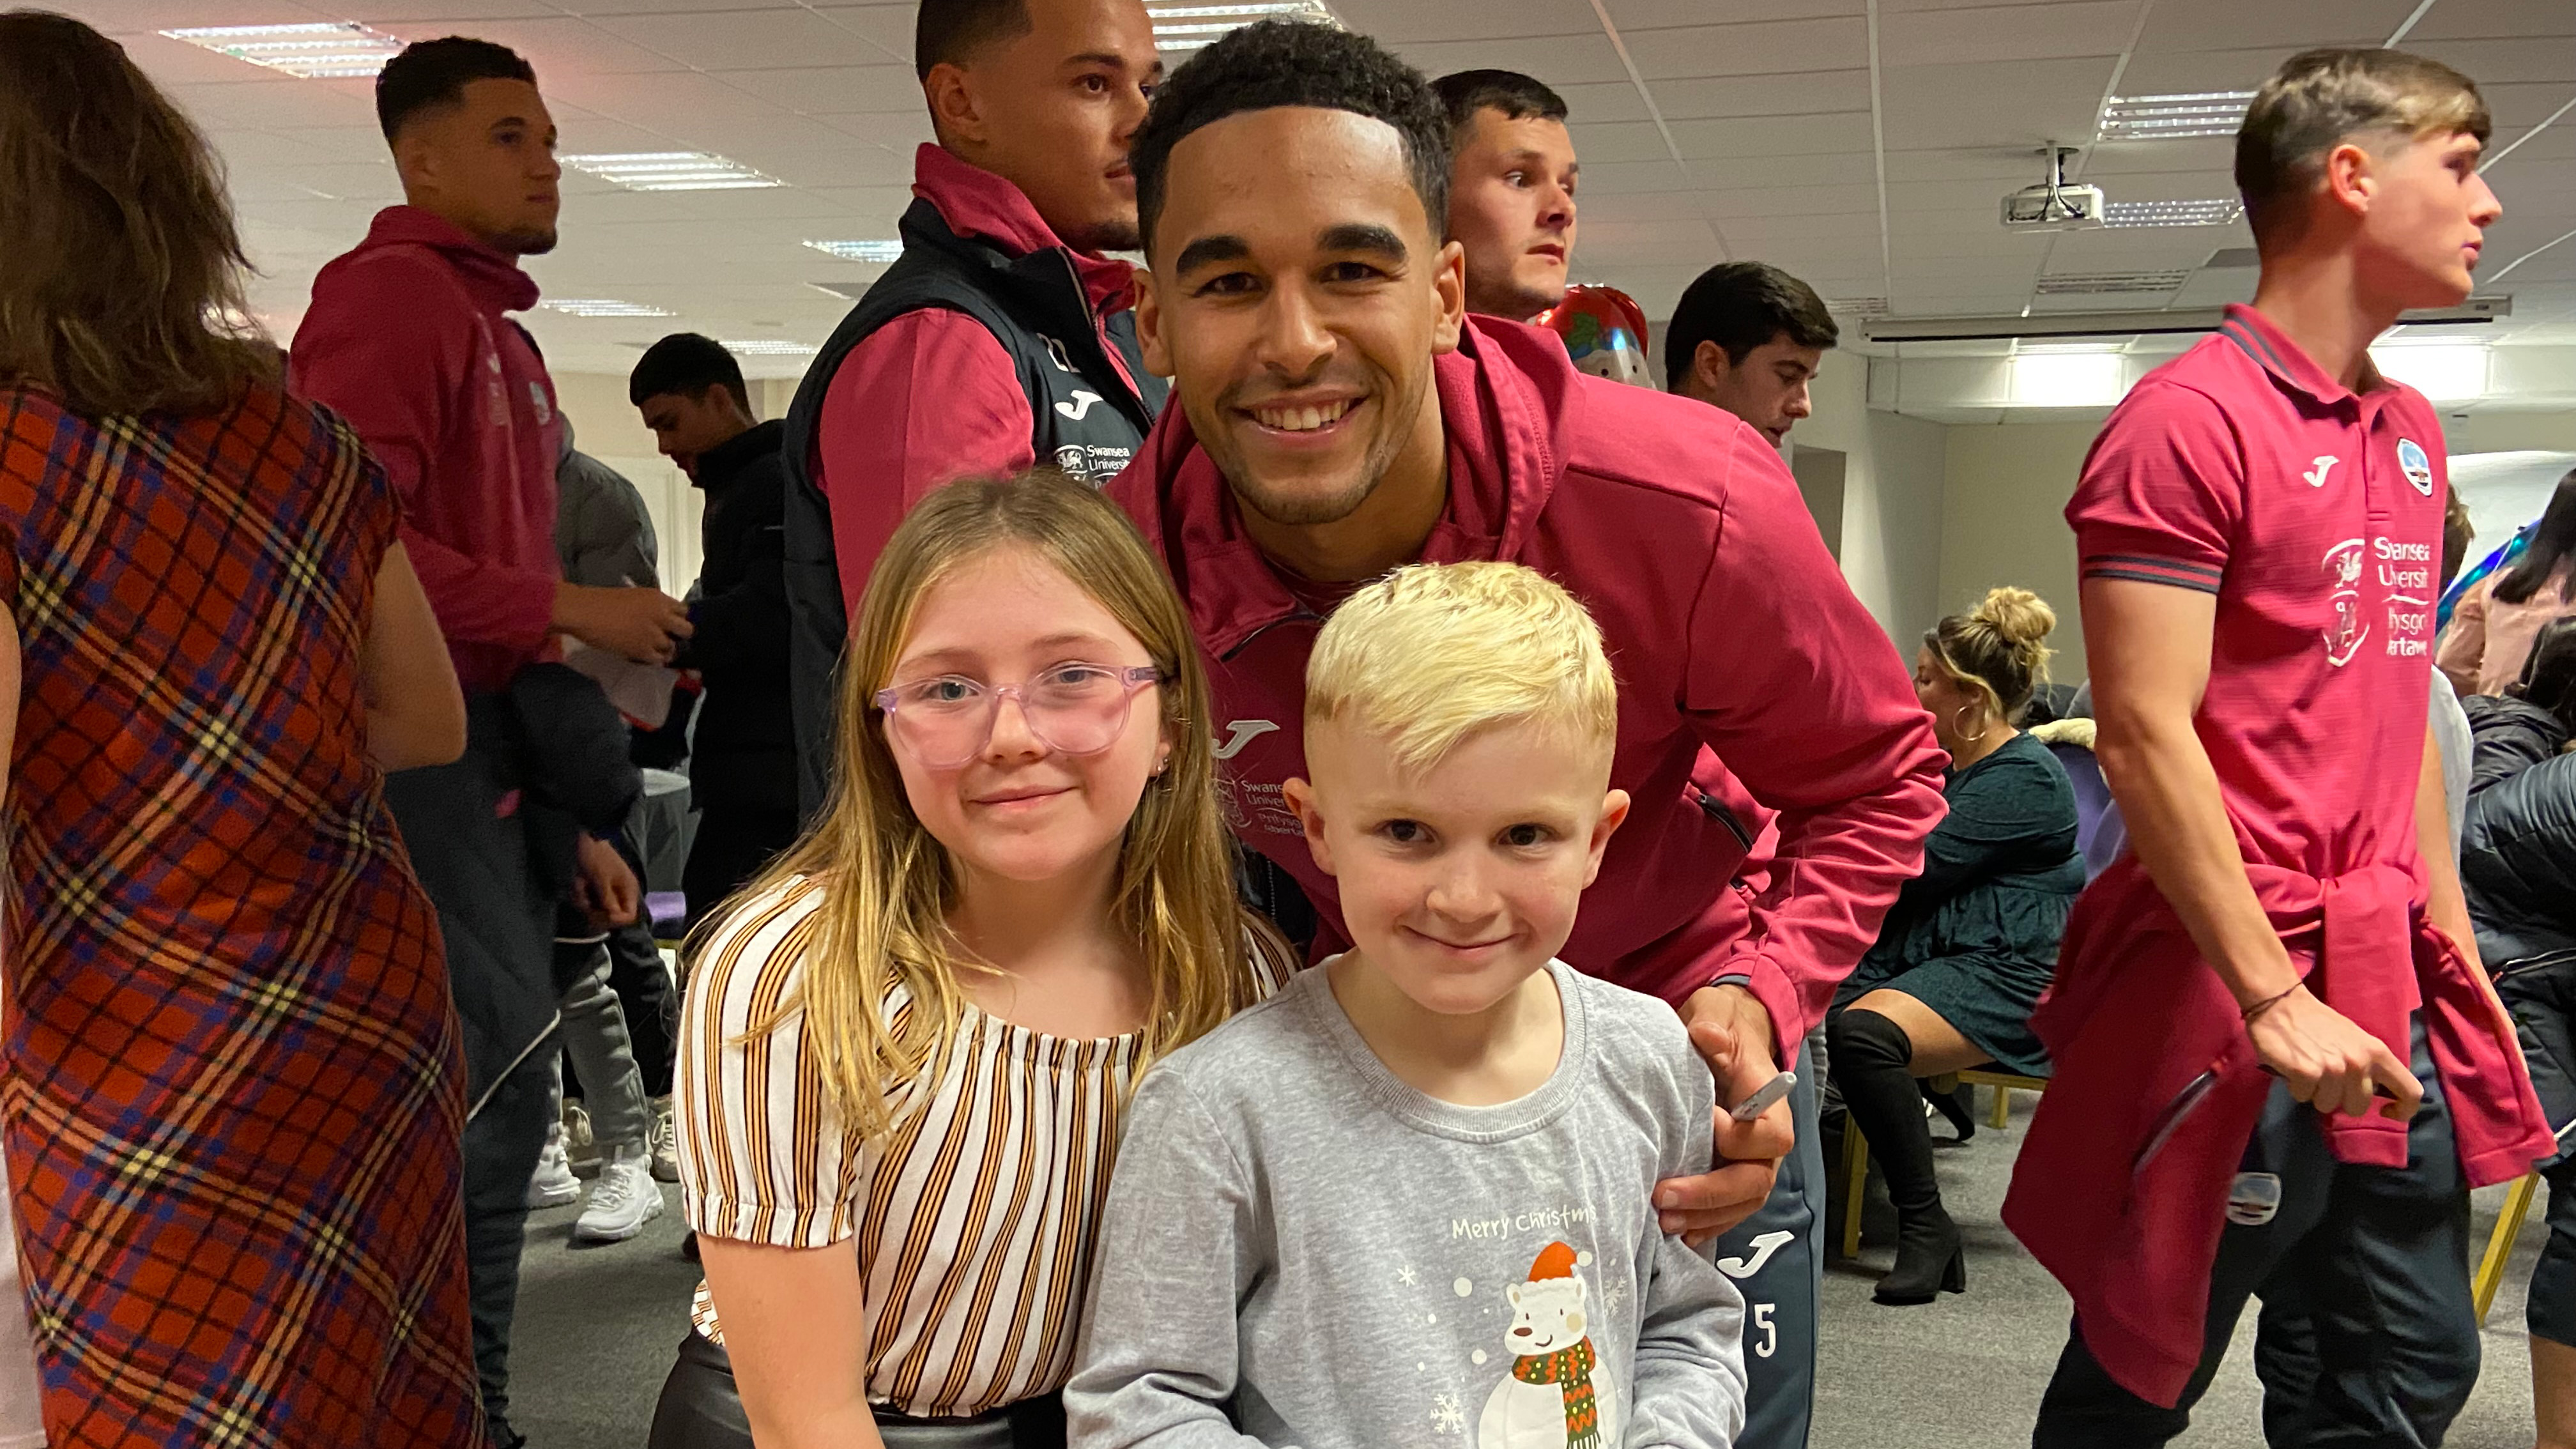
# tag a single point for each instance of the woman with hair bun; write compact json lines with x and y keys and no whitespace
{"x":1972,"y":941}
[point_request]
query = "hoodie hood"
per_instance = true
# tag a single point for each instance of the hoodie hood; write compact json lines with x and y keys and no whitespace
{"x":494,"y":278}
{"x":1502,"y":428}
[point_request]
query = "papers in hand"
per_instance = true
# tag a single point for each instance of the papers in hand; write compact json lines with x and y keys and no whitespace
{"x":641,"y":692}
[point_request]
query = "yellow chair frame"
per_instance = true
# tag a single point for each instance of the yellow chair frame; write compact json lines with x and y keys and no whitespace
{"x":2517,"y":1205}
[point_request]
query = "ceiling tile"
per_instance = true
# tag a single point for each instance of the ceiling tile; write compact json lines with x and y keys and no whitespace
{"x":1624,"y":177}
{"x":1655,"y":14}
{"x":827,"y":90}
{"x":1757,"y":48}
{"x":1558,"y":59}
{"x":2008,"y":32}
{"x":2282,"y":28}
{"x":751,"y":39}
{"x":2492,"y":20}
{"x":1601,"y":101}
{"x":1403,"y":22}
{"x":1847,"y":131}
{"x":1797,"y":94}
{"x":887,"y":27}
{"x":1941,"y":107}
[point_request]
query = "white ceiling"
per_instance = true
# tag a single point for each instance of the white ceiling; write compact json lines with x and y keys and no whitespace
{"x":1861,"y":145}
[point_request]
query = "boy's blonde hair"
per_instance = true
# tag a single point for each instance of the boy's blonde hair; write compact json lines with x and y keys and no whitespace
{"x":1432,"y":653}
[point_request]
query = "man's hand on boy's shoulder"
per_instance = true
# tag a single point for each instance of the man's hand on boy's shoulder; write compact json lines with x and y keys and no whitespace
{"x":1732,"y":1032}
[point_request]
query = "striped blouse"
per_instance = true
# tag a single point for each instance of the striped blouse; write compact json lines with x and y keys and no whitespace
{"x":974,"y":1217}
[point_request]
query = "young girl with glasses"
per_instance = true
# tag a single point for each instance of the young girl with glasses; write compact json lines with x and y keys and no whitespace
{"x":907,"y":1044}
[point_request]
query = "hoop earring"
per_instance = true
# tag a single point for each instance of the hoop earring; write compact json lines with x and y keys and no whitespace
{"x":1970,"y":739}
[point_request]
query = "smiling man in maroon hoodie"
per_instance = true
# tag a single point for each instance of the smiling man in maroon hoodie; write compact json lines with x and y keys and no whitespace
{"x":1340,"y":415}
{"x":1001,"y":337}
{"x":408,"y":337}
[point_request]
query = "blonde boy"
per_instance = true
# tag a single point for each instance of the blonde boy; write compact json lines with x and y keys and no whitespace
{"x":1407,"y":1200}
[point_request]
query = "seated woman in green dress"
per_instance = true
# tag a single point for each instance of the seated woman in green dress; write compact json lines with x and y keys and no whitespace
{"x":1971,"y":943}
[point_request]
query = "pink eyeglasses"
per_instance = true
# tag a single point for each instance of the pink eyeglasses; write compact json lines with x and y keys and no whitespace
{"x":1072,"y":709}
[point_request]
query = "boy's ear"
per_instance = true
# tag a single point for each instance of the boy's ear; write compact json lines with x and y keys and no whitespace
{"x":1301,"y":798}
{"x":1614,"y":813}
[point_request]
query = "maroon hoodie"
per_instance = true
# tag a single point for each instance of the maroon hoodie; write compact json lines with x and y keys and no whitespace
{"x":1725,"y":619}
{"x":408,"y":338}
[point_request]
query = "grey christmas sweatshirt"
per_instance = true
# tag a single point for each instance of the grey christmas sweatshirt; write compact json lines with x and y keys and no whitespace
{"x":1300,"y":1250}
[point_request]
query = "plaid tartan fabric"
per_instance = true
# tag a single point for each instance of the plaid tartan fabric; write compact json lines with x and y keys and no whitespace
{"x":230,"y":1076}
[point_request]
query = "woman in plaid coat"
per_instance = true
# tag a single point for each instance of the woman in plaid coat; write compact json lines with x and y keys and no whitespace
{"x":229,"y":1073}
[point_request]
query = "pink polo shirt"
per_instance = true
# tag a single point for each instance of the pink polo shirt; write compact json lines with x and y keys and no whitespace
{"x":2315,"y":515}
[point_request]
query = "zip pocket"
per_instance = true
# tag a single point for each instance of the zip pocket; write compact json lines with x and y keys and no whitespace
{"x":2184,"y":1103}
{"x":1717,"y":810}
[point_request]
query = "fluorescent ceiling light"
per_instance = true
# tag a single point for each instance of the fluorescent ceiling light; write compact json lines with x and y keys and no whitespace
{"x":2444,"y":371}
{"x":320,"y":51}
{"x":671,"y":171}
{"x":2065,"y":349}
{"x":860,"y":251}
{"x":601,"y":307}
{"x":2160,"y":118}
{"x":772,"y":347}
{"x":2072,"y":284}
{"x":2216,"y":211}
{"x":1180,"y":25}
{"x":1857,"y":306}
{"x":2068,"y":379}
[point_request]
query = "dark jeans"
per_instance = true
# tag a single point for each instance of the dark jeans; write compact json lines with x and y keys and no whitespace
{"x":731,"y":846}
{"x":2367,"y":1336}
{"x":501,"y":1148}
{"x":2542,"y":997}
{"x":701,"y":1409}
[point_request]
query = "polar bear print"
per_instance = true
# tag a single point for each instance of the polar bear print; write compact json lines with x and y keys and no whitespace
{"x":1557,"y":1394}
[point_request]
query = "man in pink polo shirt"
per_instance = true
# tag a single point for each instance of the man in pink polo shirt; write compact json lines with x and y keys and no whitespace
{"x":1339,"y":413}
{"x":2241,"y":996}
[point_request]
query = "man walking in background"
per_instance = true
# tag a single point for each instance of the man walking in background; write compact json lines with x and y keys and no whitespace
{"x":1511,"y":190}
{"x":1748,"y":337}
{"x":1001,"y":338}
{"x":742,"y":761}
{"x":2279,"y":1067}
{"x":409,"y":338}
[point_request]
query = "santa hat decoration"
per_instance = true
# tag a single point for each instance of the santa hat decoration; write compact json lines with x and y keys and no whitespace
{"x":1556,"y":1260}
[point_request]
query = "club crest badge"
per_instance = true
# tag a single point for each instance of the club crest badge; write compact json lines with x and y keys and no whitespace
{"x":2418,"y":467}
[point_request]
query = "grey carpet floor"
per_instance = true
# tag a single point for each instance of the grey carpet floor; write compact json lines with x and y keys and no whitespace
{"x":597,"y":1326}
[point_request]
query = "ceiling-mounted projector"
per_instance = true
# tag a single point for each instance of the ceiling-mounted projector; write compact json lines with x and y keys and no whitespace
{"x":2053,"y":205}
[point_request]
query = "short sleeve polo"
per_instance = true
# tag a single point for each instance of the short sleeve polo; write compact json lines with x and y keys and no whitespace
{"x":2314,"y":514}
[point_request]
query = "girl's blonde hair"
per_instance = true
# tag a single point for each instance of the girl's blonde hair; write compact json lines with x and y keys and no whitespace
{"x":887,"y":885}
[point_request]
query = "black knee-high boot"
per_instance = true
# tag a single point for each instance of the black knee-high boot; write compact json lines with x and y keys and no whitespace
{"x":1869,"y":1054}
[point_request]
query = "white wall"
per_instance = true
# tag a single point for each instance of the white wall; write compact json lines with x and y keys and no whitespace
{"x":1892,"y":498}
{"x":2006,"y":486}
{"x":2003,"y":521}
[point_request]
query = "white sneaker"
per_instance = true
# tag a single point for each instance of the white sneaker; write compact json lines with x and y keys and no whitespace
{"x":553,"y":1185}
{"x":622,"y":1200}
{"x":665,"y":1145}
{"x":579,"y":1148}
